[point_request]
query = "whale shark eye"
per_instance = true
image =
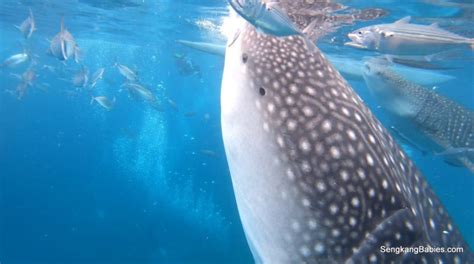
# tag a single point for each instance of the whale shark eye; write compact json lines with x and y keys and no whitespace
{"x":262,"y":91}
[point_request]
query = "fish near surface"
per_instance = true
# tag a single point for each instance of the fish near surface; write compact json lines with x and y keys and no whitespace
{"x":419,"y":110}
{"x":317,"y":178}
{"x":403,"y":38}
{"x":137,"y":90}
{"x":96,"y":76}
{"x":63,"y":46}
{"x":266,"y":17}
{"x":81,"y":78}
{"x":104,"y":102}
{"x":126,"y":72}
{"x":27,"y":79}
{"x":28,"y":26}
{"x":15,"y":60}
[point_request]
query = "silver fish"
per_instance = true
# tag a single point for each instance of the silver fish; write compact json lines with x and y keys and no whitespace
{"x":98,"y":75}
{"x":317,"y":178}
{"x":266,"y":17}
{"x":104,"y":102}
{"x":63,"y":46}
{"x":138,"y":90}
{"x":173,"y":104}
{"x":28,"y":26}
{"x":81,"y":78}
{"x":27,"y":79}
{"x":15,"y":60}
{"x":418,"y":110}
{"x":127,"y":72}
{"x":403,"y":38}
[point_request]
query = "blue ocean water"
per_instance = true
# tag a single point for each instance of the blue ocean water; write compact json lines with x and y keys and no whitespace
{"x":138,"y":184}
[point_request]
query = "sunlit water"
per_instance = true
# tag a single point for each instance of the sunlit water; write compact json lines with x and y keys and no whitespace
{"x":135,"y":184}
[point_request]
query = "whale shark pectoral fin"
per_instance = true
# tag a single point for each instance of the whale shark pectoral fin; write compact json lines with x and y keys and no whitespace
{"x":408,"y":140}
{"x":459,"y":157}
{"x":454,"y":152}
{"x":398,"y":229}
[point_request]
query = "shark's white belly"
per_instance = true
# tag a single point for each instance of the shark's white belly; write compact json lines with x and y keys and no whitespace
{"x":257,"y":172}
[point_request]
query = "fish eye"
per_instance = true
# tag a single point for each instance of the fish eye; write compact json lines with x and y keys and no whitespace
{"x":262,"y":91}
{"x":360,"y":32}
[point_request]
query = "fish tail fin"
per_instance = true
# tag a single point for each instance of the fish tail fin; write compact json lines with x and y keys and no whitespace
{"x":307,"y":30}
{"x":30,"y":12}
{"x":310,"y":45}
{"x":62,"y":24}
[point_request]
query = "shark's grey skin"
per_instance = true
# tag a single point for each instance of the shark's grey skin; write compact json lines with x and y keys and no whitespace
{"x":446,"y":123}
{"x":317,"y":178}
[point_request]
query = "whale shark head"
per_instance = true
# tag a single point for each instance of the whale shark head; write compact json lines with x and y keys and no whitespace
{"x":390,"y":89}
{"x":317,"y":178}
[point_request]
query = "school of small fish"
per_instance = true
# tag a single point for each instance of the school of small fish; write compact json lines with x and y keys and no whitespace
{"x":64,"y":47}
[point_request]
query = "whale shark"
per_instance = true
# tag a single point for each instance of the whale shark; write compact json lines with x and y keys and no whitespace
{"x":439,"y":123}
{"x":316,"y":177}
